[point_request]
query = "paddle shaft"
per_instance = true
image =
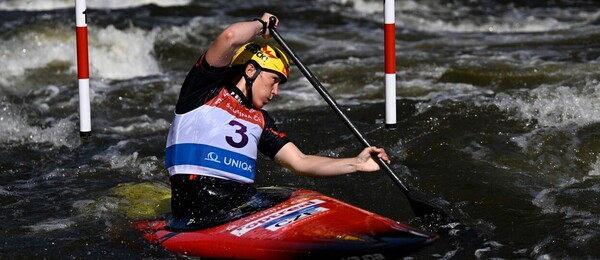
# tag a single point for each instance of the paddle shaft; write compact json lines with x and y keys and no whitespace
{"x":336,"y":108}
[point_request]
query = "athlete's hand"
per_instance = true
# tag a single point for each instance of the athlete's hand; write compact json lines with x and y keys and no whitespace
{"x":265,"y":17}
{"x":366,"y":163}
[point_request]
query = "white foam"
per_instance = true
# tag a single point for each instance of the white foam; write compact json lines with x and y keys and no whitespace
{"x":114,"y":156}
{"x":51,"y":225}
{"x":364,"y":6}
{"x":434,"y":17}
{"x":566,"y":199}
{"x":14,"y":127}
{"x":4,"y":192}
{"x":100,"y":208}
{"x":40,"y":5}
{"x":145,"y":167}
{"x":546,"y":199}
{"x":122,"y":54}
{"x":148,"y":125}
{"x":495,"y":26}
{"x":551,"y":200}
{"x":31,"y":50}
{"x":595,"y":171}
{"x":113,"y":53}
{"x":552,"y":106}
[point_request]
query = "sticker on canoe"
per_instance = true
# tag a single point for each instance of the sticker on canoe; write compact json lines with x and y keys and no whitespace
{"x":293,"y":217}
{"x":283,"y":217}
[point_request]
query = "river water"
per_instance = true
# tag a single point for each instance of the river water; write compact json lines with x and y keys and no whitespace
{"x":498,"y":117}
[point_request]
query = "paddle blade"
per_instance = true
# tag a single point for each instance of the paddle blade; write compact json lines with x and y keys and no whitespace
{"x":425,"y":209}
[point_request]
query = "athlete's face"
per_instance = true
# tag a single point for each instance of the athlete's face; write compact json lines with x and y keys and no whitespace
{"x":265,"y":88}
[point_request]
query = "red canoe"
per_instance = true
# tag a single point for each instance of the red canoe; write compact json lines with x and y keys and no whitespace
{"x":282,"y":223}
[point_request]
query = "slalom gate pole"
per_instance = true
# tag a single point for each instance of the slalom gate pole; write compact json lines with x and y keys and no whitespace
{"x":83,"y":75}
{"x":390,"y":63}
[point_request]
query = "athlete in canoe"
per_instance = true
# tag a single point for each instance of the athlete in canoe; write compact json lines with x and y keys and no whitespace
{"x":219,"y":126}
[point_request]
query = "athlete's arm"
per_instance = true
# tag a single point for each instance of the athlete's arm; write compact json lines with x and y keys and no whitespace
{"x":292,"y":158}
{"x":221,"y":51}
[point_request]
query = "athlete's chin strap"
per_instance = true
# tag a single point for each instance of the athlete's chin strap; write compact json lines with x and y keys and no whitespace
{"x":250,"y":82}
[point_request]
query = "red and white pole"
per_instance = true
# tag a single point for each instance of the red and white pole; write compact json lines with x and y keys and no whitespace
{"x":83,"y":68}
{"x":390,"y":63}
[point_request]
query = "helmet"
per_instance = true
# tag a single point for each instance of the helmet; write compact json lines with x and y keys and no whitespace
{"x":267,"y":57}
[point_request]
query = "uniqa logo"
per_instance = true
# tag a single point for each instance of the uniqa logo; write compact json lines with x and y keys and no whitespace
{"x":238,"y":164}
{"x":214,"y":157}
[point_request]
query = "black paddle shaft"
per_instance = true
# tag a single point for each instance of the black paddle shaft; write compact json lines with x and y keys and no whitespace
{"x":421,"y":206}
{"x":336,"y":108}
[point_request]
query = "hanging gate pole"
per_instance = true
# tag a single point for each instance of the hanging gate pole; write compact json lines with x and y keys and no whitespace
{"x":83,"y":75}
{"x":390,"y":63}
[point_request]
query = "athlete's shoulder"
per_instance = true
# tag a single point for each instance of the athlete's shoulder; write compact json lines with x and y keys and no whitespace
{"x":268,"y":119}
{"x":272,"y":139}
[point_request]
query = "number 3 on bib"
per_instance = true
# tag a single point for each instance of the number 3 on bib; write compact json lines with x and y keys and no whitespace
{"x":241,"y":131}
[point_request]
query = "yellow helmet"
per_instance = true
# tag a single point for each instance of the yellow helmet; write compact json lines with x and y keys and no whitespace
{"x":267,"y":57}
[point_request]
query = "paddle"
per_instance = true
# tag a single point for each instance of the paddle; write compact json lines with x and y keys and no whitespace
{"x":420,"y":206}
